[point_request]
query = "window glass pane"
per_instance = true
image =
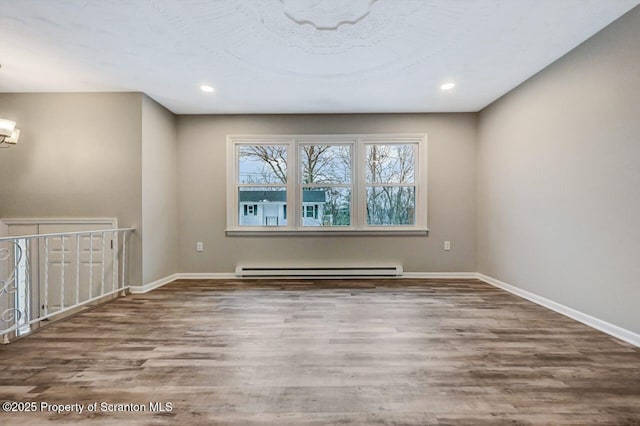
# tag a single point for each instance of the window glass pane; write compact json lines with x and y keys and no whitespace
{"x":326,"y":206}
{"x":325,"y":163}
{"x":393,"y":163}
{"x":391,"y":205}
{"x":262,"y":206}
{"x":262,"y":164}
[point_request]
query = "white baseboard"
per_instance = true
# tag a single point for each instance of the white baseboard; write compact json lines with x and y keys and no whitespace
{"x":593,"y":322}
{"x":207,"y":276}
{"x":181,"y":276}
{"x":153,"y":285}
{"x":440,"y":275}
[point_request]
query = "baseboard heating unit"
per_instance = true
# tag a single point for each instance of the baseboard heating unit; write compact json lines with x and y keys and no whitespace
{"x":389,"y":271}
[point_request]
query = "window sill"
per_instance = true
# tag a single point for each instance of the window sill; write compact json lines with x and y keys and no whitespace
{"x":325,"y":233}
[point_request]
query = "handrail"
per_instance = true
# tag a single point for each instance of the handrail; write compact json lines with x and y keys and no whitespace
{"x":63,"y":234}
{"x":50,"y":275}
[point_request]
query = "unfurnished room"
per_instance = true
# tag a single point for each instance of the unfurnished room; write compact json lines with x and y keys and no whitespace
{"x":310,"y":212}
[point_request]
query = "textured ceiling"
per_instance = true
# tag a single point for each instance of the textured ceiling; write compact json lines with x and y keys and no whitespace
{"x":293,"y":56}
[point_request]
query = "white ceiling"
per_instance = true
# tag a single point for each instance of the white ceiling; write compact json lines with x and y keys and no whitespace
{"x":292,"y":56}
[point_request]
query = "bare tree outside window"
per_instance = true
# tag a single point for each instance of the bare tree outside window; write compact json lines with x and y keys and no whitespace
{"x":326,"y":164}
{"x":263,"y":164}
{"x":390,"y":177}
{"x":329,"y":166}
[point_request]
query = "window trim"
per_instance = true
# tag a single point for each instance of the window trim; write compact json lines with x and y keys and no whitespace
{"x":358,"y":197}
{"x":348,"y":140}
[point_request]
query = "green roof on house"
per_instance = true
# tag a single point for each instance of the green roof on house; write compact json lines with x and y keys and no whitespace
{"x":314,"y":196}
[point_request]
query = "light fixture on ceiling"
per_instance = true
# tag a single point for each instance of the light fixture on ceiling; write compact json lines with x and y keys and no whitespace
{"x":447,"y":86}
{"x":207,"y":88}
{"x":9,"y":135}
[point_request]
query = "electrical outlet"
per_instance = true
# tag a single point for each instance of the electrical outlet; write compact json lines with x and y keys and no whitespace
{"x":447,"y":245}
{"x":199,"y":246}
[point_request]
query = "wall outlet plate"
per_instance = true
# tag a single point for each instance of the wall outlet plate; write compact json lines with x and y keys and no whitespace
{"x":199,"y":246}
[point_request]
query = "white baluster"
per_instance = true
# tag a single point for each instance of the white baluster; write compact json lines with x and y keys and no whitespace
{"x":77,"y":268}
{"x":90,"y":265}
{"x":114,"y":271}
{"x":62,"y":273}
{"x":103,"y":261}
{"x":46,"y":276}
{"x":27,"y":281}
{"x":124,"y":256}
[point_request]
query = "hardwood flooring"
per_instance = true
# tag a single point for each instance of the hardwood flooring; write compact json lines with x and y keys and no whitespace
{"x":325,"y":352}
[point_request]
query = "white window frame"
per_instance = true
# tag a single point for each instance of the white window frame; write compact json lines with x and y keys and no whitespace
{"x":358,"y":184}
{"x":338,"y":140}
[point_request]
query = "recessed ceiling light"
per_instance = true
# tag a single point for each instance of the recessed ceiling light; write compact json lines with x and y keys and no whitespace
{"x":447,"y":86}
{"x":206,"y":88}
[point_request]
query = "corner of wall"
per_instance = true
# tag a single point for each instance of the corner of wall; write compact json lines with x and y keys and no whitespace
{"x":159,"y":191}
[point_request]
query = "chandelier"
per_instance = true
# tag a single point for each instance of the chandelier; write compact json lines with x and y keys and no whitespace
{"x":9,"y":135}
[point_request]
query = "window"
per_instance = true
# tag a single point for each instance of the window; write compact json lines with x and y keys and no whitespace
{"x":344,"y":183}
{"x":325,"y":178}
{"x":262,"y":180}
{"x":311,"y":210}
{"x":390,"y":181}
{"x":308,"y":211}
{"x":250,"y":209}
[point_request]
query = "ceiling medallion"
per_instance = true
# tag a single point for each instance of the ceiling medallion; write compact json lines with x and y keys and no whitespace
{"x":326,"y":14}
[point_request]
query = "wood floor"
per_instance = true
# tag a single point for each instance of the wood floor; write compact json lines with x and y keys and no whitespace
{"x":325,"y":352}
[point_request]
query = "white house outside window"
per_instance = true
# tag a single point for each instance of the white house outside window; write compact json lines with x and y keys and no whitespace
{"x":335,"y":183}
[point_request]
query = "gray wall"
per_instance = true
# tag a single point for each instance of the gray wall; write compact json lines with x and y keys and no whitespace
{"x":559,"y":180}
{"x":159,"y":192}
{"x":79,"y":155}
{"x":452,"y":192}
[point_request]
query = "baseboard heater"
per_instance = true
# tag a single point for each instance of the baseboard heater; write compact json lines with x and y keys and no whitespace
{"x":319,"y":271}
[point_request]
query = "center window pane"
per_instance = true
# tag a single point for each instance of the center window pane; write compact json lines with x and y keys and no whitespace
{"x":393,"y":163}
{"x":325,"y":164}
{"x":326,"y":206}
{"x":260,"y":164}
